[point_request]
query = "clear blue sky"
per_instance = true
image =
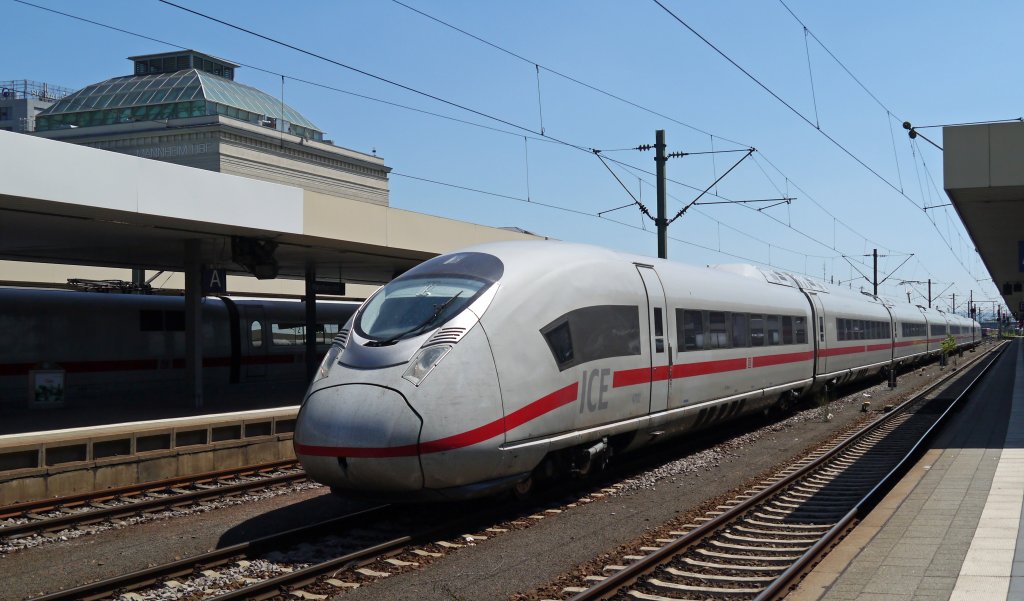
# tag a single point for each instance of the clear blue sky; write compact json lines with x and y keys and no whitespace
{"x":926,"y":62}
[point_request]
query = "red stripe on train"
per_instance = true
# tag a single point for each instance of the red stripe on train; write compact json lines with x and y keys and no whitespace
{"x":541,"y":406}
{"x":781,"y":359}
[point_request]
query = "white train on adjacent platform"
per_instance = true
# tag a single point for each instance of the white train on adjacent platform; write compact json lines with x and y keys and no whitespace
{"x":479,"y":370}
{"x":123,"y":346}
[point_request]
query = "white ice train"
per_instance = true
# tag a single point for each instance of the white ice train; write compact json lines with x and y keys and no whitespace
{"x":478,"y":371}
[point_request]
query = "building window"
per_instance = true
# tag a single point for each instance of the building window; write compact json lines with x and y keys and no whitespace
{"x":5,"y":113}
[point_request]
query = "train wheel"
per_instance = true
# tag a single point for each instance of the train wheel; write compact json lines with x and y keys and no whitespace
{"x":524,"y":488}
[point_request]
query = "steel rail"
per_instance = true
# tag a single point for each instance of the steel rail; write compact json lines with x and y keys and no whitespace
{"x":779,"y":587}
{"x":19,"y":509}
{"x":134,"y":580}
{"x":612,"y":584}
{"x":148,"y":505}
{"x":284,"y":583}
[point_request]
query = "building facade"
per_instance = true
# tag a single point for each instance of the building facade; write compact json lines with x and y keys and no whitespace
{"x":21,"y":100}
{"x":186,"y":108}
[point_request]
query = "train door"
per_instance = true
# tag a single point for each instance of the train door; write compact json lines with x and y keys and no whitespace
{"x":661,"y":346}
{"x":256,"y":343}
{"x":820,"y":339}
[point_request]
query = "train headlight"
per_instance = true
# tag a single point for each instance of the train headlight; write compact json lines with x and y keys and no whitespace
{"x":330,"y":359}
{"x":424,"y":361}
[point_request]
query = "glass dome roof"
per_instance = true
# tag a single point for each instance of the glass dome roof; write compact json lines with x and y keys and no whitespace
{"x":224,"y":96}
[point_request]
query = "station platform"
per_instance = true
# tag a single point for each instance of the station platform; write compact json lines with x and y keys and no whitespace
{"x":950,"y":530}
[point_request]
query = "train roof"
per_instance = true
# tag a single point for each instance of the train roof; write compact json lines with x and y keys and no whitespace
{"x":540,"y":250}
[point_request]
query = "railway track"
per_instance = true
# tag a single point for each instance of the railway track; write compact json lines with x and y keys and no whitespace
{"x":758,"y":545}
{"x":325,"y":557}
{"x":50,"y":515}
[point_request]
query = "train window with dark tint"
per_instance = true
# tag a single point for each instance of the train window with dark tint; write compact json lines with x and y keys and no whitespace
{"x":800,"y":329}
{"x":757,"y":330}
{"x":560,"y":341}
{"x":740,"y":330}
{"x":840,"y":329}
{"x":773,"y":330}
{"x":690,"y":326}
{"x":659,"y":326}
{"x":151,"y":321}
{"x":592,"y":333}
{"x":787,"y":329}
{"x":287,"y":334}
{"x":174,"y":321}
{"x":719,"y":335}
{"x":256,"y":334}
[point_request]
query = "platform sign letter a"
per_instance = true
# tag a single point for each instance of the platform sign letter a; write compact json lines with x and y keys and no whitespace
{"x":215,"y":281}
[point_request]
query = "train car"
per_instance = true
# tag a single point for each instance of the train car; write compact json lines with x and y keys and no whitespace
{"x":910,"y":334}
{"x":125,"y":344}
{"x":484,"y":369}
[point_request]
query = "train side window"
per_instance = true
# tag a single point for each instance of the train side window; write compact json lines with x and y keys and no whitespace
{"x":592,"y":333}
{"x":287,"y":334}
{"x":692,"y":325}
{"x":840,"y":329}
{"x":719,"y":335}
{"x":800,"y":329}
{"x":659,"y":326}
{"x":151,"y":321}
{"x":773,"y":330}
{"x":740,"y":330}
{"x":325,"y":332}
{"x":757,"y":330}
{"x":256,"y":334}
{"x":174,"y":321}
{"x":787,"y":329}
{"x":560,"y":341}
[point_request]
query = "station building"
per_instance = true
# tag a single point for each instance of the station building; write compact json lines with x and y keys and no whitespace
{"x":187,"y":108}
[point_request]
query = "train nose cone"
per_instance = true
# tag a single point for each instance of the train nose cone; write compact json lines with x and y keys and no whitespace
{"x":360,"y":437}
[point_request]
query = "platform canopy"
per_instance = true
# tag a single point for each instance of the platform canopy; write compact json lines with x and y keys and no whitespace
{"x":69,"y":204}
{"x":984,"y":177}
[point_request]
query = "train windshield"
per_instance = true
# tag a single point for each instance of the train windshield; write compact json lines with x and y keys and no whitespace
{"x":426,"y":296}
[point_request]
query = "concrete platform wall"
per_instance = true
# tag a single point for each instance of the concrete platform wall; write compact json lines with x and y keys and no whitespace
{"x":51,"y":464}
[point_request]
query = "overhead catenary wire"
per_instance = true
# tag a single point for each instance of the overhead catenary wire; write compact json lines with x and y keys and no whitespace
{"x":586,"y":214}
{"x":560,"y":74}
{"x":796,"y":112}
{"x":457,"y":105}
{"x":542,"y":138}
{"x":619,"y":98}
{"x":335,"y":89}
